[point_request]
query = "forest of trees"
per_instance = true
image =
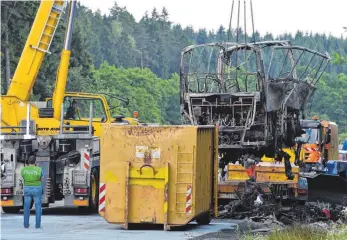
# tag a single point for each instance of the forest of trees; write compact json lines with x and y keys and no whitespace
{"x":140,"y":60}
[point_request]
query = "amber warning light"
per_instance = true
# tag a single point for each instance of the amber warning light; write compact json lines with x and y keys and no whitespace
{"x":136,"y":114}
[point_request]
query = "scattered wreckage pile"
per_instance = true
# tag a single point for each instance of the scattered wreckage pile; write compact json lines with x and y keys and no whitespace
{"x":265,"y":207}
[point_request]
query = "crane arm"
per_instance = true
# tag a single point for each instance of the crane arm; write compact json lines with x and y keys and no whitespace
{"x":36,"y":46}
{"x":60,"y":83}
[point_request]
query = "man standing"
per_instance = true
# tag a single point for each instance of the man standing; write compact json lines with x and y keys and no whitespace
{"x":32,"y":176}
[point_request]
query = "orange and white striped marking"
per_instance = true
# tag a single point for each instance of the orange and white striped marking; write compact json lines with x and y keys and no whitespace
{"x":189,"y":200}
{"x":310,"y":149}
{"x":102,"y":197}
{"x":86,"y":160}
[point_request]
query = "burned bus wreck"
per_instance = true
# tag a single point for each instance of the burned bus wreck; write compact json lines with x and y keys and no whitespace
{"x":255,"y":93}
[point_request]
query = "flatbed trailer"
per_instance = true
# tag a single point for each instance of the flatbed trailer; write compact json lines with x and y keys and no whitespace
{"x":268,"y":175}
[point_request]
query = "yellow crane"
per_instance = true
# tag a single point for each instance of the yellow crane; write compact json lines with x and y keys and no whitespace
{"x":66,"y":149}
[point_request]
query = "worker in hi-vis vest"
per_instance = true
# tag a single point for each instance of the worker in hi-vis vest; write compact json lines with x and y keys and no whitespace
{"x":32,"y":176}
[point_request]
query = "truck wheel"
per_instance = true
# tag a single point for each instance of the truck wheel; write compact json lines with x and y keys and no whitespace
{"x":94,"y":191}
{"x":11,"y":209}
{"x":204,"y":219}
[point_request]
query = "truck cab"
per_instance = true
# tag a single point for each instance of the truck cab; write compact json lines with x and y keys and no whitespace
{"x":320,"y":141}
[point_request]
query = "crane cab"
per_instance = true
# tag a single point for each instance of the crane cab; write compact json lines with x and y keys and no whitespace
{"x":76,"y":110}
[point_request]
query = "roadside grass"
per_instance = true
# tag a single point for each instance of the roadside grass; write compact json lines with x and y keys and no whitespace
{"x":302,"y":233}
{"x":298,"y":233}
{"x":338,"y":233}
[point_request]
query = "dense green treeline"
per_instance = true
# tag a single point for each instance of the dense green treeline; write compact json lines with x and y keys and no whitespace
{"x":155,"y":99}
{"x":140,"y":60}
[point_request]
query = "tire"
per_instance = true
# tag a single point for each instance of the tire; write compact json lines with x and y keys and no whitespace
{"x":11,"y":209}
{"x":204,"y":219}
{"x":94,"y":194}
{"x":94,"y":191}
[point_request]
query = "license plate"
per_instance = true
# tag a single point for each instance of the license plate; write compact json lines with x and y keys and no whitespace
{"x":7,"y":203}
{"x":80,"y":202}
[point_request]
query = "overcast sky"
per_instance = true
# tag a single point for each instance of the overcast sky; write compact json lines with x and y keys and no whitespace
{"x":276,"y":16}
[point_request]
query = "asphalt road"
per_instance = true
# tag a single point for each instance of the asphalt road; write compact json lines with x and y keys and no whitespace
{"x":68,"y":223}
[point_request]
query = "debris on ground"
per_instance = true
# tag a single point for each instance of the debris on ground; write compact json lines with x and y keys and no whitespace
{"x":260,"y":208}
{"x":257,"y":225}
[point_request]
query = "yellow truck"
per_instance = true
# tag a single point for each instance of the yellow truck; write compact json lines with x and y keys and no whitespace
{"x":66,"y":149}
{"x":158,"y":174}
{"x":320,"y":145}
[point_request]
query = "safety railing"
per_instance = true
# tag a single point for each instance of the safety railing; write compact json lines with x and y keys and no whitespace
{"x":17,"y":135}
{"x":66,"y":132}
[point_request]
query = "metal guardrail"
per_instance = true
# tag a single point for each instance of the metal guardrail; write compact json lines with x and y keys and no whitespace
{"x":62,"y":134}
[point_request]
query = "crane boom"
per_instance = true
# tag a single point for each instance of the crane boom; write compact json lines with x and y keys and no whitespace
{"x":60,"y":83}
{"x":37,"y":45}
